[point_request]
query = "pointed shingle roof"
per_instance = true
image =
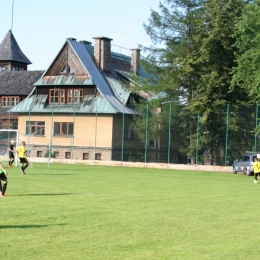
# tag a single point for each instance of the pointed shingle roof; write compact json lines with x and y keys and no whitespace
{"x":10,"y":50}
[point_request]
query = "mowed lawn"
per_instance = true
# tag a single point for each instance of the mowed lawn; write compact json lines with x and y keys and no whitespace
{"x":95,"y":212}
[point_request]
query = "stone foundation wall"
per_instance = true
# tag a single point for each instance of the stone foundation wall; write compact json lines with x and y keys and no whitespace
{"x":78,"y":153}
{"x":184,"y":167}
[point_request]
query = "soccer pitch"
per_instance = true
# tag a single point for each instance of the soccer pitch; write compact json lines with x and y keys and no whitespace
{"x":96,"y":212}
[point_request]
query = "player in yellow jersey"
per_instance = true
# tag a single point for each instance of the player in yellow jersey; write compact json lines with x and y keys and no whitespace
{"x":256,"y":166}
{"x":21,"y":150}
{"x":3,"y":179}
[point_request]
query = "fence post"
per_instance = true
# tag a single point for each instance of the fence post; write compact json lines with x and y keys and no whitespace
{"x":29,"y":132}
{"x":9,"y":123}
{"x":50,"y":142}
{"x":146,"y":133}
{"x":73,"y":137}
{"x":197,"y":142}
{"x":95,"y":131}
{"x":169,"y":136}
{"x":123,"y":136}
{"x":227,"y":135}
{"x":256,"y":122}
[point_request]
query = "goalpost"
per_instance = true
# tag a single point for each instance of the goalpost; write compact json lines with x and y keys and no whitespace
{"x":6,"y":135}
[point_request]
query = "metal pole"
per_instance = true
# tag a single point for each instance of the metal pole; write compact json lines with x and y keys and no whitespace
{"x":73,"y":137}
{"x":123,"y":136}
{"x":169,"y":136}
{"x":146,"y":133}
{"x":12,"y":16}
{"x":16,"y":145}
{"x":95,"y":133}
{"x":197,"y":142}
{"x":50,"y":143}
{"x":9,"y":123}
{"x":256,"y":122}
{"x":29,"y":132}
{"x":227,"y":135}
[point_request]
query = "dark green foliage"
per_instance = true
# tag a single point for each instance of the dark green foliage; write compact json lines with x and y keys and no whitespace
{"x":247,"y":33}
{"x":191,"y":62}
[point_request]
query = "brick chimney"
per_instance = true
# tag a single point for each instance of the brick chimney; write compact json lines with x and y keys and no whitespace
{"x":102,"y":52}
{"x":135,"y":61}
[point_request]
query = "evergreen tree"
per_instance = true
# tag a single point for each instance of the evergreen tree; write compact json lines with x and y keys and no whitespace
{"x":191,"y":61}
{"x":246,"y":74}
{"x":214,"y":62}
{"x":169,"y":61}
{"x":174,"y":29}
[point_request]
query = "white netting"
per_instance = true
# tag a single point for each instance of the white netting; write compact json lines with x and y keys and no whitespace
{"x":6,"y":135}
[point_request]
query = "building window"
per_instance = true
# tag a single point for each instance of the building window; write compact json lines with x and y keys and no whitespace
{"x":85,"y":156}
{"x":17,"y":68}
{"x":56,"y":154}
{"x":62,"y":96}
{"x":78,"y":95}
{"x":74,"y":95}
{"x":151,"y":143}
{"x":61,"y":128}
{"x":54,"y":96}
{"x":39,"y":153}
{"x":98,"y":156}
{"x":35,"y":127}
{"x":57,"y":95}
{"x":4,"y":68}
{"x":69,"y":96}
{"x":10,"y":101}
{"x":68,"y":155}
{"x":67,"y":70}
{"x":128,"y":132}
{"x":15,"y":101}
{"x":8,"y":124}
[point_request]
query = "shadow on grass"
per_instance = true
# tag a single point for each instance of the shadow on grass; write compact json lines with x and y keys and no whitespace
{"x":61,"y":174}
{"x":28,"y":226}
{"x":44,"y":194}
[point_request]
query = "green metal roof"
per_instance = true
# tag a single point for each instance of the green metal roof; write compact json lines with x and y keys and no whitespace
{"x":38,"y":104}
{"x":120,"y":92}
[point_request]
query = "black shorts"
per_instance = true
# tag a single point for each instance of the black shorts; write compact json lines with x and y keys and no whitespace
{"x":3,"y":177}
{"x":11,"y":155}
{"x":23,"y":160}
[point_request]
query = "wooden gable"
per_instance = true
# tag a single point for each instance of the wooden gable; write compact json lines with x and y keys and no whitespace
{"x":66,"y":63}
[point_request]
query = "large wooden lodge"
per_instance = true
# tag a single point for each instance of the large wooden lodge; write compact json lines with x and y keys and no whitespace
{"x":80,"y":107}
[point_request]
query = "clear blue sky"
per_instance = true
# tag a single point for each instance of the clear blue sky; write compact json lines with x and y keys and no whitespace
{"x":42,"y":26}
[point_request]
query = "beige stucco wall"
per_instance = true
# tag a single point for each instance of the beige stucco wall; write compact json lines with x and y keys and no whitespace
{"x":95,"y":137}
{"x":90,"y":131}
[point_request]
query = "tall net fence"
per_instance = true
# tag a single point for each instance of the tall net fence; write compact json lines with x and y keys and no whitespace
{"x":217,"y":137}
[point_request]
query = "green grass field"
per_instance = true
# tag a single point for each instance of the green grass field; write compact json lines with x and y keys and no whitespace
{"x":94,"y":212}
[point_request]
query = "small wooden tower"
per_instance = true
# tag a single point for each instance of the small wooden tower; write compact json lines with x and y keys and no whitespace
{"x":11,"y":56}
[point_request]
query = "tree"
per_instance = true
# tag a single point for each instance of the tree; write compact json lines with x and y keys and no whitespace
{"x":191,"y":61}
{"x":213,"y":64}
{"x":174,"y":29}
{"x":246,"y":74}
{"x":168,"y":60}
